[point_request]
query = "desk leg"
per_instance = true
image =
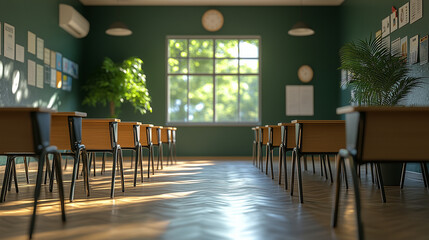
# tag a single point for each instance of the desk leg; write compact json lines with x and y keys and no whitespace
{"x":39,"y":180}
{"x":115,"y":160}
{"x":73,"y":180}
{"x":292,"y":179}
{"x":352,"y":163}
{"x":298,"y":164}
{"x":338,"y":181}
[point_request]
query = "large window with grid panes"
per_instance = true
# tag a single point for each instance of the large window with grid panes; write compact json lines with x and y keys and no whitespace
{"x":213,"y":80}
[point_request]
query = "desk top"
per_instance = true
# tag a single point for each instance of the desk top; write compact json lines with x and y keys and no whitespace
{"x":319,"y":121}
{"x":130,"y":123}
{"x":286,"y":124}
{"x":146,"y":125}
{"x":25,"y":109}
{"x":273,"y":126}
{"x":70,"y":114}
{"x":350,"y":109}
{"x":158,"y":127}
{"x":101,"y":120}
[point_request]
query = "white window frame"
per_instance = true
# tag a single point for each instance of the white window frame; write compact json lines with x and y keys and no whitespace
{"x":213,"y":123}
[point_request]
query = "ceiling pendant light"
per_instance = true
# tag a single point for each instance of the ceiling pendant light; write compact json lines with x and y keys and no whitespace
{"x":300,"y":29}
{"x":118,"y":29}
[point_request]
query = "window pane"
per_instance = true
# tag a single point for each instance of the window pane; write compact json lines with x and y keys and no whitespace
{"x":226,"y":98}
{"x":178,"y":48}
{"x":226,"y":48}
{"x":201,"y":65}
{"x":201,"y":48}
{"x":249,"y":98}
{"x":249,"y":48}
{"x":249,"y":66}
{"x":227,"y":66}
{"x":178,"y":98}
{"x":177,"y":65}
{"x":201,"y":99}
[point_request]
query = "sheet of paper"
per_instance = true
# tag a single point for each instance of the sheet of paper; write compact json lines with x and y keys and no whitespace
{"x":424,"y":50}
{"x":404,"y":47}
{"x":31,"y":73}
{"x":66,"y":66}
{"x":59,"y":61}
{"x":396,"y":47}
{"x":31,"y":42}
{"x":47,"y":56}
{"x":386,"y":42}
{"x":385,"y":26}
{"x":404,"y":14}
{"x":40,"y":48}
{"x":393,"y":22}
{"x":414,"y":49}
{"x":416,"y":10}
{"x":53,"y":59}
{"x":39,"y":76}
{"x":53,"y":78}
{"x":20,"y":53}
{"x":74,"y":70}
{"x":299,"y":100}
{"x":47,"y":76}
{"x":9,"y":41}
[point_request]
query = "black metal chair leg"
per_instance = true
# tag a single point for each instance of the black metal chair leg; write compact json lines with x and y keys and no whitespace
{"x":324,"y":167}
{"x":312,"y":160}
{"x":148,"y":161}
{"x":321,"y":164}
{"x":6,"y":179}
{"x":298,"y":164}
{"x":345,"y":174}
{"x":271,"y":163}
{"x":84,"y":156}
{"x":94,"y":156}
{"x":305,"y":163}
{"x":380,"y":182}
{"x":15,"y":179}
{"x":338,"y":181}
{"x":280,"y":164}
{"x":59,"y":177}
{"x":285,"y":167}
{"x":267,"y":150}
{"x":404,"y":166}
{"x":141,"y":163}
{"x":153,"y":165}
{"x":39,"y":179}
{"x":51,"y":177}
{"x":352,"y":164}
{"x":131,"y":159}
{"x":103,"y":164}
{"x":26,"y":170}
{"x":372,"y":172}
{"x":121,"y":164}
{"x":48,"y":169}
{"x":136,"y":164}
{"x":424,"y":173}
{"x":161,"y":154}
{"x":292,"y":179}
{"x":329,"y":167}
{"x":115,"y":160}
{"x":74,"y":173}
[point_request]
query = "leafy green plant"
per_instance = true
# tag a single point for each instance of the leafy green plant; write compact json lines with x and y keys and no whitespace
{"x":377,"y":77}
{"x":115,"y":83}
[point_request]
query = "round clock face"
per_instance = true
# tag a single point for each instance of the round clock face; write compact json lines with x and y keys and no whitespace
{"x":212,"y":20}
{"x":305,"y":73}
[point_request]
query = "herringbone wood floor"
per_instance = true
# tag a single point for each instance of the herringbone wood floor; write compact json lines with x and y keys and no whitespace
{"x":213,"y":199}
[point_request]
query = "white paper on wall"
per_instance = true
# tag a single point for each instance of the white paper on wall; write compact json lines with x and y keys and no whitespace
{"x":39,"y":76}
{"x":47,"y":56}
{"x":9,"y":41}
{"x":31,"y":73}
{"x":414,"y":49}
{"x":416,"y":10}
{"x":40,"y":48}
{"x":404,"y":14}
{"x":385,"y":26}
{"x":299,"y":100}
{"x":19,"y":53}
{"x":31,"y":42}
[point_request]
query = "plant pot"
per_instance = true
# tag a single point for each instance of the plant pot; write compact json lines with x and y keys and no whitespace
{"x":391,"y":173}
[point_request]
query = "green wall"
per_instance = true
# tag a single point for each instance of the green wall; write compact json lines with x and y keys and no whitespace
{"x":281,"y":57}
{"x":41,"y":18}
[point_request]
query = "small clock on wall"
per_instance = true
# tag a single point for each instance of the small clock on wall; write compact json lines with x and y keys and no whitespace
{"x":305,"y":73}
{"x":212,"y":20}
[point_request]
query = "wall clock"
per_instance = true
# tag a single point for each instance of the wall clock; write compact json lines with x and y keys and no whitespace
{"x":212,"y":20}
{"x":305,"y":73}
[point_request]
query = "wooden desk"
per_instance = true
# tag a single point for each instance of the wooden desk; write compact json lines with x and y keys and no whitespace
{"x":316,"y":137}
{"x":287,"y":144}
{"x":27,"y":131}
{"x":129,"y":138}
{"x":381,"y":134}
{"x":101,"y":135}
{"x":66,"y":134}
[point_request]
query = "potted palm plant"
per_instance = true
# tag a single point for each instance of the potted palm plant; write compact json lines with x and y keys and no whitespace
{"x":377,"y":78}
{"x":116,"y":83}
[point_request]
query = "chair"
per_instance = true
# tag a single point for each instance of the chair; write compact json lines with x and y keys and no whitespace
{"x":315,"y":137}
{"x":146,"y":142}
{"x":129,"y":139}
{"x":380,"y":134}
{"x":66,"y":134}
{"x":156,"y":141}
{"x":263,"y":140}
{"x":166,"y":138}
{"x":101,"y":135}
{"x":28,"y":134}
{"x":274,"y":141}
{"x":287,"y":144}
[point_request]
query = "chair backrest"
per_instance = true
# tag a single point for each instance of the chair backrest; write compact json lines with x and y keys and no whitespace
{"x":274,"y":135}
{"x":288,"y":134}
{"x":263,"y":135}
{"x":97,"y":133}
{"x":165,"y":133}
{"x":156,"y":135}
{"x":320,"y":136}
{"x":128,"y":134}
{"x":145,"y":134}
{"x":24,"y":130}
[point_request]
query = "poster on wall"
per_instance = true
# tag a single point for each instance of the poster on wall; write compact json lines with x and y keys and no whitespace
{"x":385,"y":26}
{"x":393,"y":21}
{"x":53,"y":78}
{"x":416,"y":10}
{"x":40,"y":48}
{"x":58,"y":82}
{"x":31,"y":42}
{"x":59,"y":61}
{"x":414,"y":49}
{"x":39,"y":76}
{"x":424,"y":50}
{"x":31,"y":71}
{"x":395,"y":50}
{"x":47,"y":54}
{"x":53,"y":59}
{"x":47,"y":75}
{"x":19,"y":53}
{"x":404,"y":47}
{"x":299,"y":100}
{"x":404,"y":14}
{"x":9,"y":41}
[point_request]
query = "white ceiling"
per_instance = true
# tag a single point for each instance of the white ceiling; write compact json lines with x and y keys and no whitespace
{"x":212,"y":2}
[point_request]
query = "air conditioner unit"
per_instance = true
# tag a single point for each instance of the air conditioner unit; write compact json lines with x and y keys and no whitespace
{"x":72,"y":22}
